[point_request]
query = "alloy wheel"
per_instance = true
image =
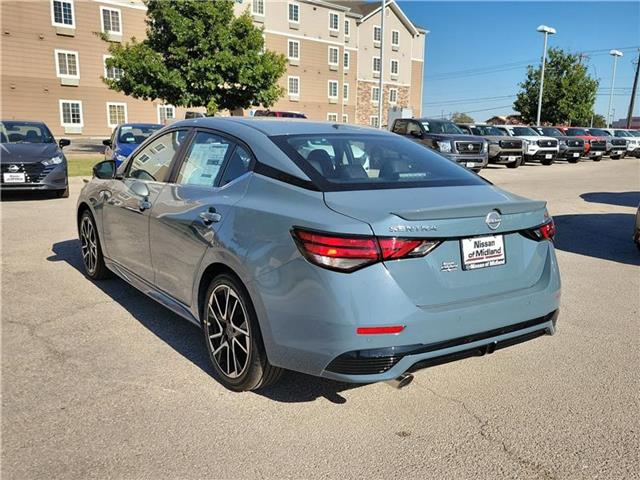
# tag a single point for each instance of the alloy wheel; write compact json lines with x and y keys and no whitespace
{"x":89,"y":245}
{"x":227,"y":331}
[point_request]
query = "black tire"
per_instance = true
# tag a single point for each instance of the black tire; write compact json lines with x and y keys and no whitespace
{"x":63,"y":193}
{"x":241,"y":327}
{"x":515,"y":164}
{"x":573,"y":160}
{"x":547,"y":162}
{"x":597,"y":158}
{"x":90,"y":248}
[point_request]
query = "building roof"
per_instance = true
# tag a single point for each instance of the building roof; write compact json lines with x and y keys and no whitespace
{"x":363,"y":9}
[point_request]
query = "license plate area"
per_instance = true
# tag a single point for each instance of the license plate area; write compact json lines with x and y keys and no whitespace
{"x":11,"y":177}
{"x":482,"y":252}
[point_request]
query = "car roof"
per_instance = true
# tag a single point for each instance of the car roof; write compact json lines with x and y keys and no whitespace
{"x":26,"y":122}
{"x":140,"y":125}
{"x":279,"y":126}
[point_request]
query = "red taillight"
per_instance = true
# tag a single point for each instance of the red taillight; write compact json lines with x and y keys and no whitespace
{"x":379,"y":330}
{"x":349,"y":252}
{"x":546,"y":231}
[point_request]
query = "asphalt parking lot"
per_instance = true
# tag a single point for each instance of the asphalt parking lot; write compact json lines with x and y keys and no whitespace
{"x":98,"y":381}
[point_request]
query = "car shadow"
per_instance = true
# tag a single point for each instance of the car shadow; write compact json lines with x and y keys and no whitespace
{"x":621,"y":199}
{"x":599,"y":235}
{"x":24,"y":196}
{"x":186,"y":338}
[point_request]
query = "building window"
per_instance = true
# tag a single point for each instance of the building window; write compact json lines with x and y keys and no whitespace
{"x":345,"y":92}
{"x":345,"y":118}
{"x":294,"y":13}
{"x":111,"y":20}
{"x":257,"y":7}
{"x":334,"y":20}
{"x":333,"y":89}
{"x":67,"y":64}
{"x":395,"y":66}
{"x":393,"y":95}
{"x":112,"y":73}
{"x":293,"y":84}
{"x":376,"y":64}
{"x":62,"y":13}
{"x":346,"y":60}
{"x":375,"y":94}
{"x":395,"y":38}
{"x":373,"y":121}
{"x":377,"y":34}
{"x":116,"y":114}
{"x":166,"y":113}
{"x":293,"y":50}
{"x":347,"y":28}
{"x":333,"y":55}
{"x":71,"y":113}
{"x":332,"y":117}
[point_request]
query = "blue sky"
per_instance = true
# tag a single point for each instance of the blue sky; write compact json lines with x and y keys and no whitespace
{"x":499,"y":39}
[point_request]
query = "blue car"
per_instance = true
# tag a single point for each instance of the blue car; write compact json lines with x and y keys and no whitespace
{"x":126,"y":138}
{"x":334,"y":250}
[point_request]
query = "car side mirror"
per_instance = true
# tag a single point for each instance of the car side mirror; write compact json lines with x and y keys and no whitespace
{"x":140,"y":189}
{"x":106,"y":143}
{"x":416,"y":133}
{"x":64,"y":142}
{"x":105,"y":170}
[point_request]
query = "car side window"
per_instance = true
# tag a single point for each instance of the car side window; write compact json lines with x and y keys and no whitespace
{"x":413,"y":127}
{"x":153,"y":163}
{"x":400,"y":127}
{"x":203,"y":162}
{"x":237,"y":165}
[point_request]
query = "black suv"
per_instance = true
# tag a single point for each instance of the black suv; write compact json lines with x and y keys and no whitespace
{"x":446,"y":138}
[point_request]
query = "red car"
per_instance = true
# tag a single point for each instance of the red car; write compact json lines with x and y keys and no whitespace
{"x":594,"y":147}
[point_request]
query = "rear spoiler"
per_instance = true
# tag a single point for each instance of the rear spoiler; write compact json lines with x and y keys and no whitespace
{"x":471,"y":210}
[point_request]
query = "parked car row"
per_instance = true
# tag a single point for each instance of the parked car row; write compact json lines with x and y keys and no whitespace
{"x":476,"y":145}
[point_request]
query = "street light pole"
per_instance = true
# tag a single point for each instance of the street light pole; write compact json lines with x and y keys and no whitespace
{"x":381,"y":83}
{"x":547,"y":31}
{"x":615,"y":54}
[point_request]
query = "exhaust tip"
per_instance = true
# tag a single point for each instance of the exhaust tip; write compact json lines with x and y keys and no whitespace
{"x":401,"y":381}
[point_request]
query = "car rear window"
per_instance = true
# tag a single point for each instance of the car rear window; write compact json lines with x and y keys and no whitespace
{"x":365,"y":161}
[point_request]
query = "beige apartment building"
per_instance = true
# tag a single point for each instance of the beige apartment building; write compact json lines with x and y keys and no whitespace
{"x":52,"y":61}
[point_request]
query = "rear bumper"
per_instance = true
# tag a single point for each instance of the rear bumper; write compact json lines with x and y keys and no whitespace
{"x":398,"y":360}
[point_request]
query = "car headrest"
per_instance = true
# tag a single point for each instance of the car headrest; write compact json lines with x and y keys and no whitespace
{"x":321,"y":161}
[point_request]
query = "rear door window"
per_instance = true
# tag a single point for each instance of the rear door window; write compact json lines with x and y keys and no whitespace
{"x":204,"y":160}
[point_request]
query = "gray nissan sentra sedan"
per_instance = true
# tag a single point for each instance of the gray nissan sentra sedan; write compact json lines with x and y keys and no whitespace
{"x":330,"y":249}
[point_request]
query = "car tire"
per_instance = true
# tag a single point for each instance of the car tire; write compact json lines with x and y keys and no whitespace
{"x":63,"y":193}
{"x":90,"y":248}
{"x":547,"y":162}
{"x":233,"y":338}
{"x":598,"y":158}
{"x":515,"y":164}
{"x":573,"y":160}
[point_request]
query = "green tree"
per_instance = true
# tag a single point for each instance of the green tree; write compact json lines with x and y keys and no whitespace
{"x":598,"y":121}
{"x":460,"y":117}
{"x":198,"y":54}
{"x":569,"y":92}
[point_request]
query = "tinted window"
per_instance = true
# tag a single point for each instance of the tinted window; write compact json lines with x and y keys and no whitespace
{"x":238,"y":165}
{"x":413,"y":127}
{"x":487,"y":130}
{"x":204,"y":160}
{"x":24,"y":132}
{"x":525,"y":131}
{"x":400,"y":127}
{"x":599,"y":133}
{"x":154,"y":161}
{"x":437,"y":126}
{"x":361,"y":161}
{"x":136,"y":134}
{"x":551,"y":132}
{"x":577,"y":132}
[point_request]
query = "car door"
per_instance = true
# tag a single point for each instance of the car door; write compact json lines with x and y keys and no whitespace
{"x":208,"y":180}
{"x":129,"y":199}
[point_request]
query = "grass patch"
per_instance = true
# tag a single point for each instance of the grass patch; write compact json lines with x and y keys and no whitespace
{"x":82,"y":165}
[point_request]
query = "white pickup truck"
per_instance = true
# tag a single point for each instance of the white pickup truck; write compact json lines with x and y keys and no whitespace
{"x":536,"y":147}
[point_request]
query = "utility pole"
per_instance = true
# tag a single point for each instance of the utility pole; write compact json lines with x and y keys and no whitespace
{"x":546,"y":31}
{"x":632,"y":101}
{"x":615,"y":54}
{"x":381,"y":84}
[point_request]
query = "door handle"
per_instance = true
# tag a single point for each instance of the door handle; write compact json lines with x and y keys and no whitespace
{"x":144,"y":205}
{"x":210,"y":216}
